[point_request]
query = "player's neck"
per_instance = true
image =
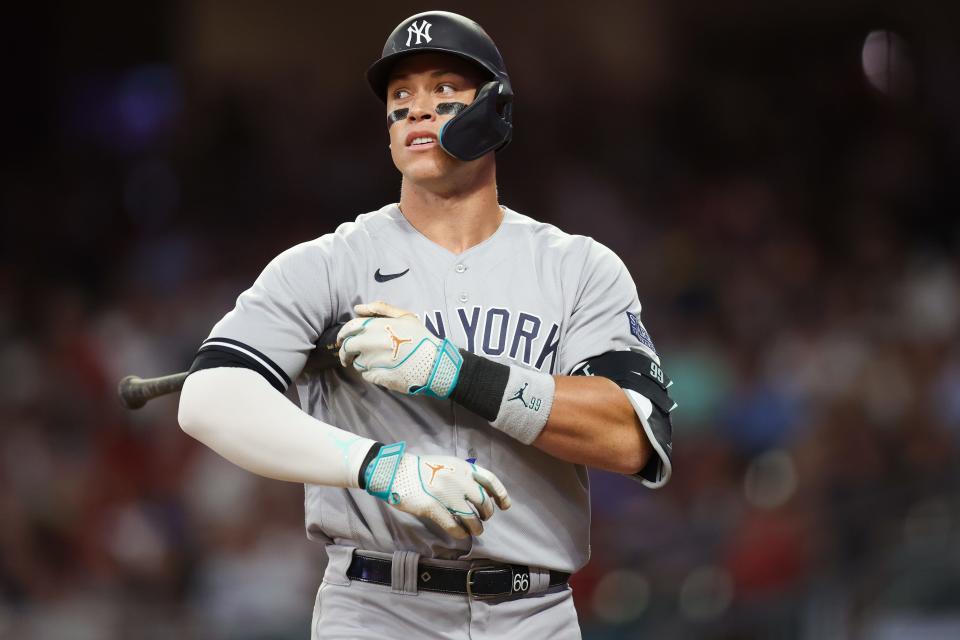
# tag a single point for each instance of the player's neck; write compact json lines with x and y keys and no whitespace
{"x":456,"y":221}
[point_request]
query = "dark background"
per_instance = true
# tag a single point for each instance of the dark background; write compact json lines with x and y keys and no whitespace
{"x":790,"y":221}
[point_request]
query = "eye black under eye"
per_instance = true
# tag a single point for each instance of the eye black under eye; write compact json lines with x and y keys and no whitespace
{"x":397,"y":116}
{"x":450,"y":108}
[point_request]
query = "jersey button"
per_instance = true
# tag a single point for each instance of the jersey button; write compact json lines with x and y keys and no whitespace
{"x":460,"y":268}
{"x":463,"y":296}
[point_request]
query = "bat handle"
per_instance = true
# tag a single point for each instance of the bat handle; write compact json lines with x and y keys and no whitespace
{"x":135,"y":391}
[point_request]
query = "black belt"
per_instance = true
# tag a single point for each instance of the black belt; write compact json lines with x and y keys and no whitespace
{"x":480,"y":582}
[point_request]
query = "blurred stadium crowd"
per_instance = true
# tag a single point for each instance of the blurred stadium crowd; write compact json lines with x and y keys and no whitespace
{"x":791,"y":229}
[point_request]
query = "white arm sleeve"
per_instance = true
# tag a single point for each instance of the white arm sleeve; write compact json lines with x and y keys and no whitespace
{"x":236,"y":412}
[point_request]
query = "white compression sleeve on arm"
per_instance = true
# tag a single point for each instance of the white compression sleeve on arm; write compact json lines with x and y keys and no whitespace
{"x":235,"y":412}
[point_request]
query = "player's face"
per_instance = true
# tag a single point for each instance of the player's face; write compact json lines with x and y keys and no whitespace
{"x":418,"y":84}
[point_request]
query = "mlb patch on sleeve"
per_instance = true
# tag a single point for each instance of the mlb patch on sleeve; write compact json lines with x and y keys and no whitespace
{"x":639,"y":332}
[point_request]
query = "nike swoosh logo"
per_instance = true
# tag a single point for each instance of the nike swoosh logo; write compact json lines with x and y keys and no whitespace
{"x":383,"y":277}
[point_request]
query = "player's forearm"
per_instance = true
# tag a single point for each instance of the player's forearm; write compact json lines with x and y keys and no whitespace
{"x":593,"y":423}
{"x":235,"y":412}
{"x":582,"y":419}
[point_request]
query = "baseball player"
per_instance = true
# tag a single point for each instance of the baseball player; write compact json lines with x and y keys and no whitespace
{"x":487,"y":360}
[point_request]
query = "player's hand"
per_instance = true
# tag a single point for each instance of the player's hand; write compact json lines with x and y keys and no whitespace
{"x":391,"y":347}
{"x":454,"y":493}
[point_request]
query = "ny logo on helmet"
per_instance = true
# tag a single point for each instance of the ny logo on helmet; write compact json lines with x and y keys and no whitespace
{"x":423,"y":31}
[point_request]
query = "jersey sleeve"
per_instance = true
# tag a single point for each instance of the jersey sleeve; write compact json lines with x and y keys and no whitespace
{"x":605,"y":314}
{"x":606,"y":318}
{"x":276,"y":323}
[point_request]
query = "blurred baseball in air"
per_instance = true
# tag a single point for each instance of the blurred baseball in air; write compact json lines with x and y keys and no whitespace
{"x":887,"y":64}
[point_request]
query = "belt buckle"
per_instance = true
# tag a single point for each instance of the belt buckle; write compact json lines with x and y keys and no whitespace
{"x":470,"y":593}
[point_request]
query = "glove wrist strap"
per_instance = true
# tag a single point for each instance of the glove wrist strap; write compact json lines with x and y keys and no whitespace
{"x":367,"y":459}
{"x":381,"y":472}
{"x":445,"y":374}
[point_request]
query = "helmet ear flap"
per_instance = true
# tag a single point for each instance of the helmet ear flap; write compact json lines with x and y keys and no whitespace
{"x":484,"y":126}
{"x":505,"y":102}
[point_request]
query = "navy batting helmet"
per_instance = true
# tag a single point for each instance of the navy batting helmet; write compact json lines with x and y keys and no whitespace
{"x":487,"y":124}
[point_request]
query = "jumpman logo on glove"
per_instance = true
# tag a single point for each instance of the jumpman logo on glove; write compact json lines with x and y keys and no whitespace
{"x":434,"y":468}
{"x":396,"y":341}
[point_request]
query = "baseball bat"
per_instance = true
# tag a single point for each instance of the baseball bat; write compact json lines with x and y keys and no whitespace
{"x":135,"y":391}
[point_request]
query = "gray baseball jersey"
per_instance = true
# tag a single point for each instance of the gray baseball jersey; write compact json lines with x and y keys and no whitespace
{"x":530,"y":295}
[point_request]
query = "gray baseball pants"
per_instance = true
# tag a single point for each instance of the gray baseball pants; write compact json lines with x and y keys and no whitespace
{"x":350,"y":609}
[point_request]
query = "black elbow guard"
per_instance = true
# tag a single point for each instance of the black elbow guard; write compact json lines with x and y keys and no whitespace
{"x":637,"y":372}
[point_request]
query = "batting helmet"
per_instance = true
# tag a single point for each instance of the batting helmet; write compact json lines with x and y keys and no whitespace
{"x":487,"y":123}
